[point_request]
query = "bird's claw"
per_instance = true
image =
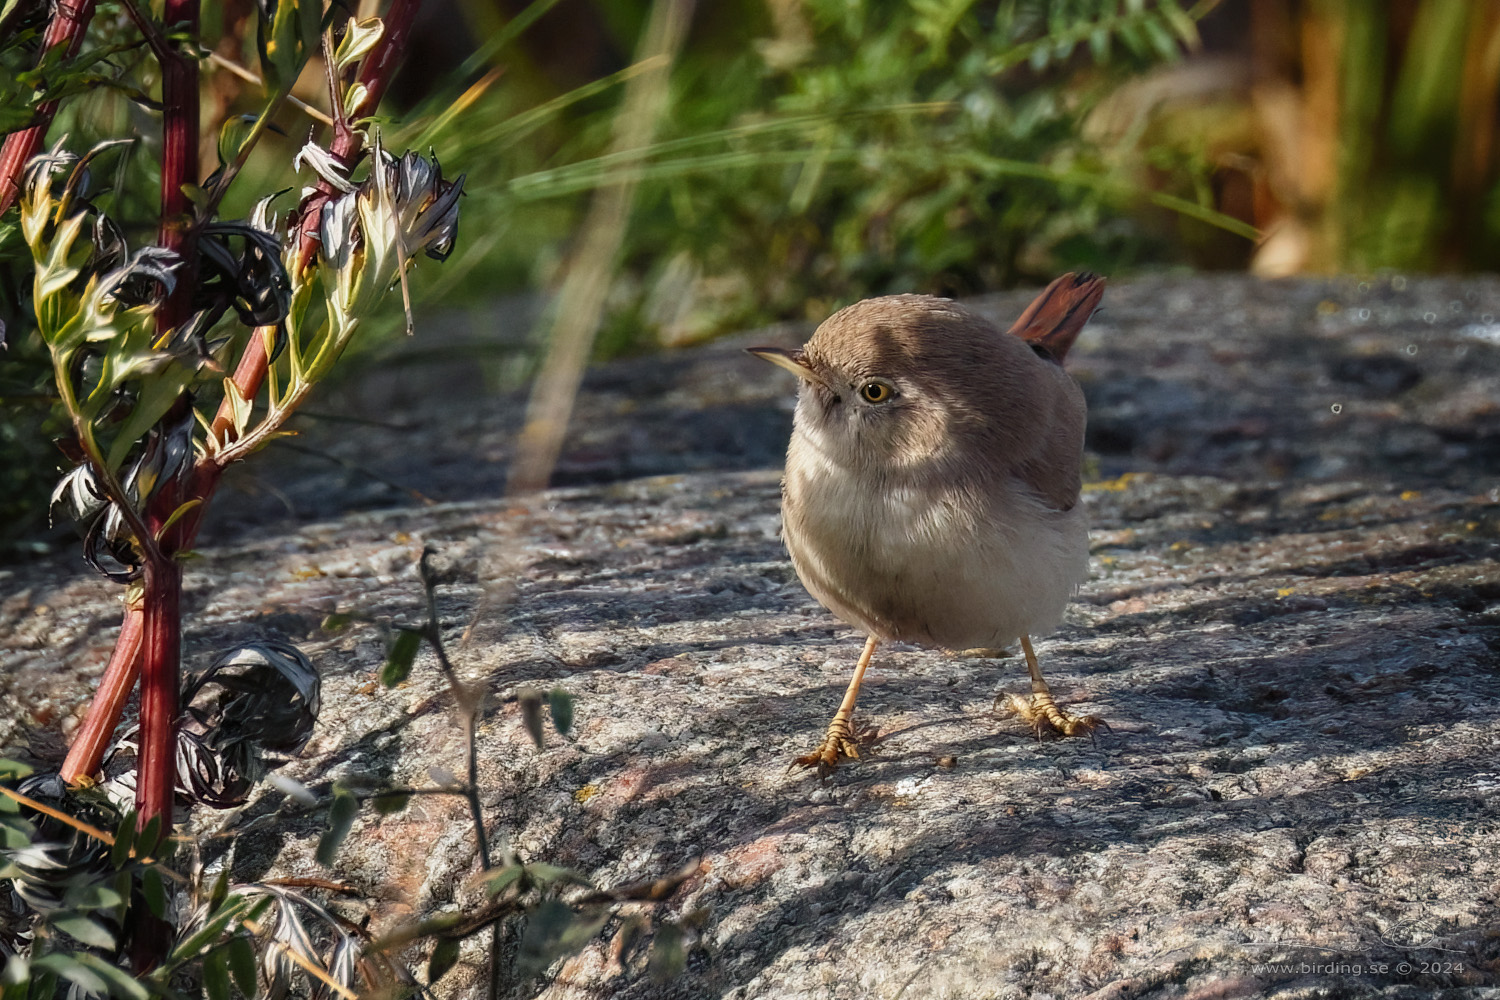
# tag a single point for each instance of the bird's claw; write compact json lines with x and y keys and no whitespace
{"x":1041,"y":713}
{"x":838,"y":745}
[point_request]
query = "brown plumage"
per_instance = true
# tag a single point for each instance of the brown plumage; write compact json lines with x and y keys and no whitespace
{"x":932,"y":481}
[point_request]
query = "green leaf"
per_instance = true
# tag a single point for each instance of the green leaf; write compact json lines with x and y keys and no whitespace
{"x":93,"y":896}
{"x":149,"y":839}
{"x":341,"y":814}
{"x":668,"y":954}
{"x":154,"y":397}
{"x":239,"y":407}
{"x":220,"y":890}
{"x":545,"y":874}
{"x":336,"y":622}
{"x":552,"y":931}
{"x":155,"y":892}
{"x":444,"y":957}
{"x":220,"y":918}
{"x":216,"y":974}
{"x":359,"y":38}
{"x":1161,"y":39}
{"x":561,"y":704}
{"x":1099,"y":44}
{"x":398,"y":662}
{"x":121,"y":983}
{"x":196,"y":195}
{"x":84,"y":930}
{"x":16,"y":833}
{"x":14,"y":770}
{"x":43,"y":987}
{"x":1183,"y":24}
{"x":243,"y":964}
{"x":232,"y":135}
{"x":176,"y":516}
{"x":119,"y":854}
{"x":67,"y":965}
{"x":354,"y":100}
{"x":500,"y":879}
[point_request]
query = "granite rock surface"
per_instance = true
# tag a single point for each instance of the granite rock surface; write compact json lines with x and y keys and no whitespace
{"x":1292,"y":626}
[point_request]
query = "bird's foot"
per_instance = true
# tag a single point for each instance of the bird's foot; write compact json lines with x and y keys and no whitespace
{"x":1040,"y":712}
{"x":839,"y":744}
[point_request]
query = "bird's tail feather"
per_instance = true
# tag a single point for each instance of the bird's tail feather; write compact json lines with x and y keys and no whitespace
{"x":1054,"y":319}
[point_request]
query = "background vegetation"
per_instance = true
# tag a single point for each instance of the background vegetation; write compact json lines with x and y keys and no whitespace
{"x":818,"y":151}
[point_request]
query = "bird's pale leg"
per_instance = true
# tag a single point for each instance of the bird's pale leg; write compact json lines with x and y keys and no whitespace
{"x":839,"y":743}
{"x":1040,"y":710}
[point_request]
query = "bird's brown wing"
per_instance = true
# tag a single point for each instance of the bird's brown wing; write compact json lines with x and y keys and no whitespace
{"x":1055,"y":317}
{"x":1053,"y":471}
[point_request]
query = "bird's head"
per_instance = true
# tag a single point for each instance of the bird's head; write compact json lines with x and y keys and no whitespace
{"x":894,"y":380}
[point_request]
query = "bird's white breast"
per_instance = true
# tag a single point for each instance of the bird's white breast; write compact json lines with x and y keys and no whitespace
{"x":913,"y":562}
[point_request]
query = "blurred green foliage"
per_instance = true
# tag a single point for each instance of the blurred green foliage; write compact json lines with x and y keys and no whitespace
{"x":1417,"y":172}
{"x":855,"y":148}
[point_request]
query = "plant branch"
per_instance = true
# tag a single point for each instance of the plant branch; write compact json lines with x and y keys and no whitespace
{"x":87,"y":750}
{"x":232,"y":170}
{"x":375,"y":74}
{"x":157,"y":770}
{"x":249,"y":77}
{"x":179,"y":163}
{"x":69,"y":23}
{"x":83,"y":430}
{"x":161,"y":647}
{"x":149,"y":30}
{"x":468,"y":703}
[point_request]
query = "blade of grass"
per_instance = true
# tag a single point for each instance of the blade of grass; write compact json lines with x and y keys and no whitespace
{"x":587,"y":284}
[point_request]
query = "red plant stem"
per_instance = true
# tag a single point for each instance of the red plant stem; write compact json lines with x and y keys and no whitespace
{"x":87,"y":751}
{"x":161,"y":657}
{"x":179,"y":162}
{"x":156,"y":768}
{"x":161,"y":584}
{"x":69,"y":23}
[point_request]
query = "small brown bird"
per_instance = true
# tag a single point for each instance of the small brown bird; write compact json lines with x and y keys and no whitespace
{"x":932,"y":482}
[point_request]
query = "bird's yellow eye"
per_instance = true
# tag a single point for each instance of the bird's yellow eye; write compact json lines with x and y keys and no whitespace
{"x":876,"y":392}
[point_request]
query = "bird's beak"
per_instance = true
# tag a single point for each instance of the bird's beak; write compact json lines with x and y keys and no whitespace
{"x":793,"y":361}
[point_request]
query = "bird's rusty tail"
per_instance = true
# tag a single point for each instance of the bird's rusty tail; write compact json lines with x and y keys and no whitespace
{"x":1053,"y":320}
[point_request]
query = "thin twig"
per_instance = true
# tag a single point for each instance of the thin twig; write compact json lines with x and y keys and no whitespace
{"x":61,"y":817}
{"x":242,"y":155}
{"x":157,"y":41}
{"x":468,"y":705}
{"x":310,"y":110}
